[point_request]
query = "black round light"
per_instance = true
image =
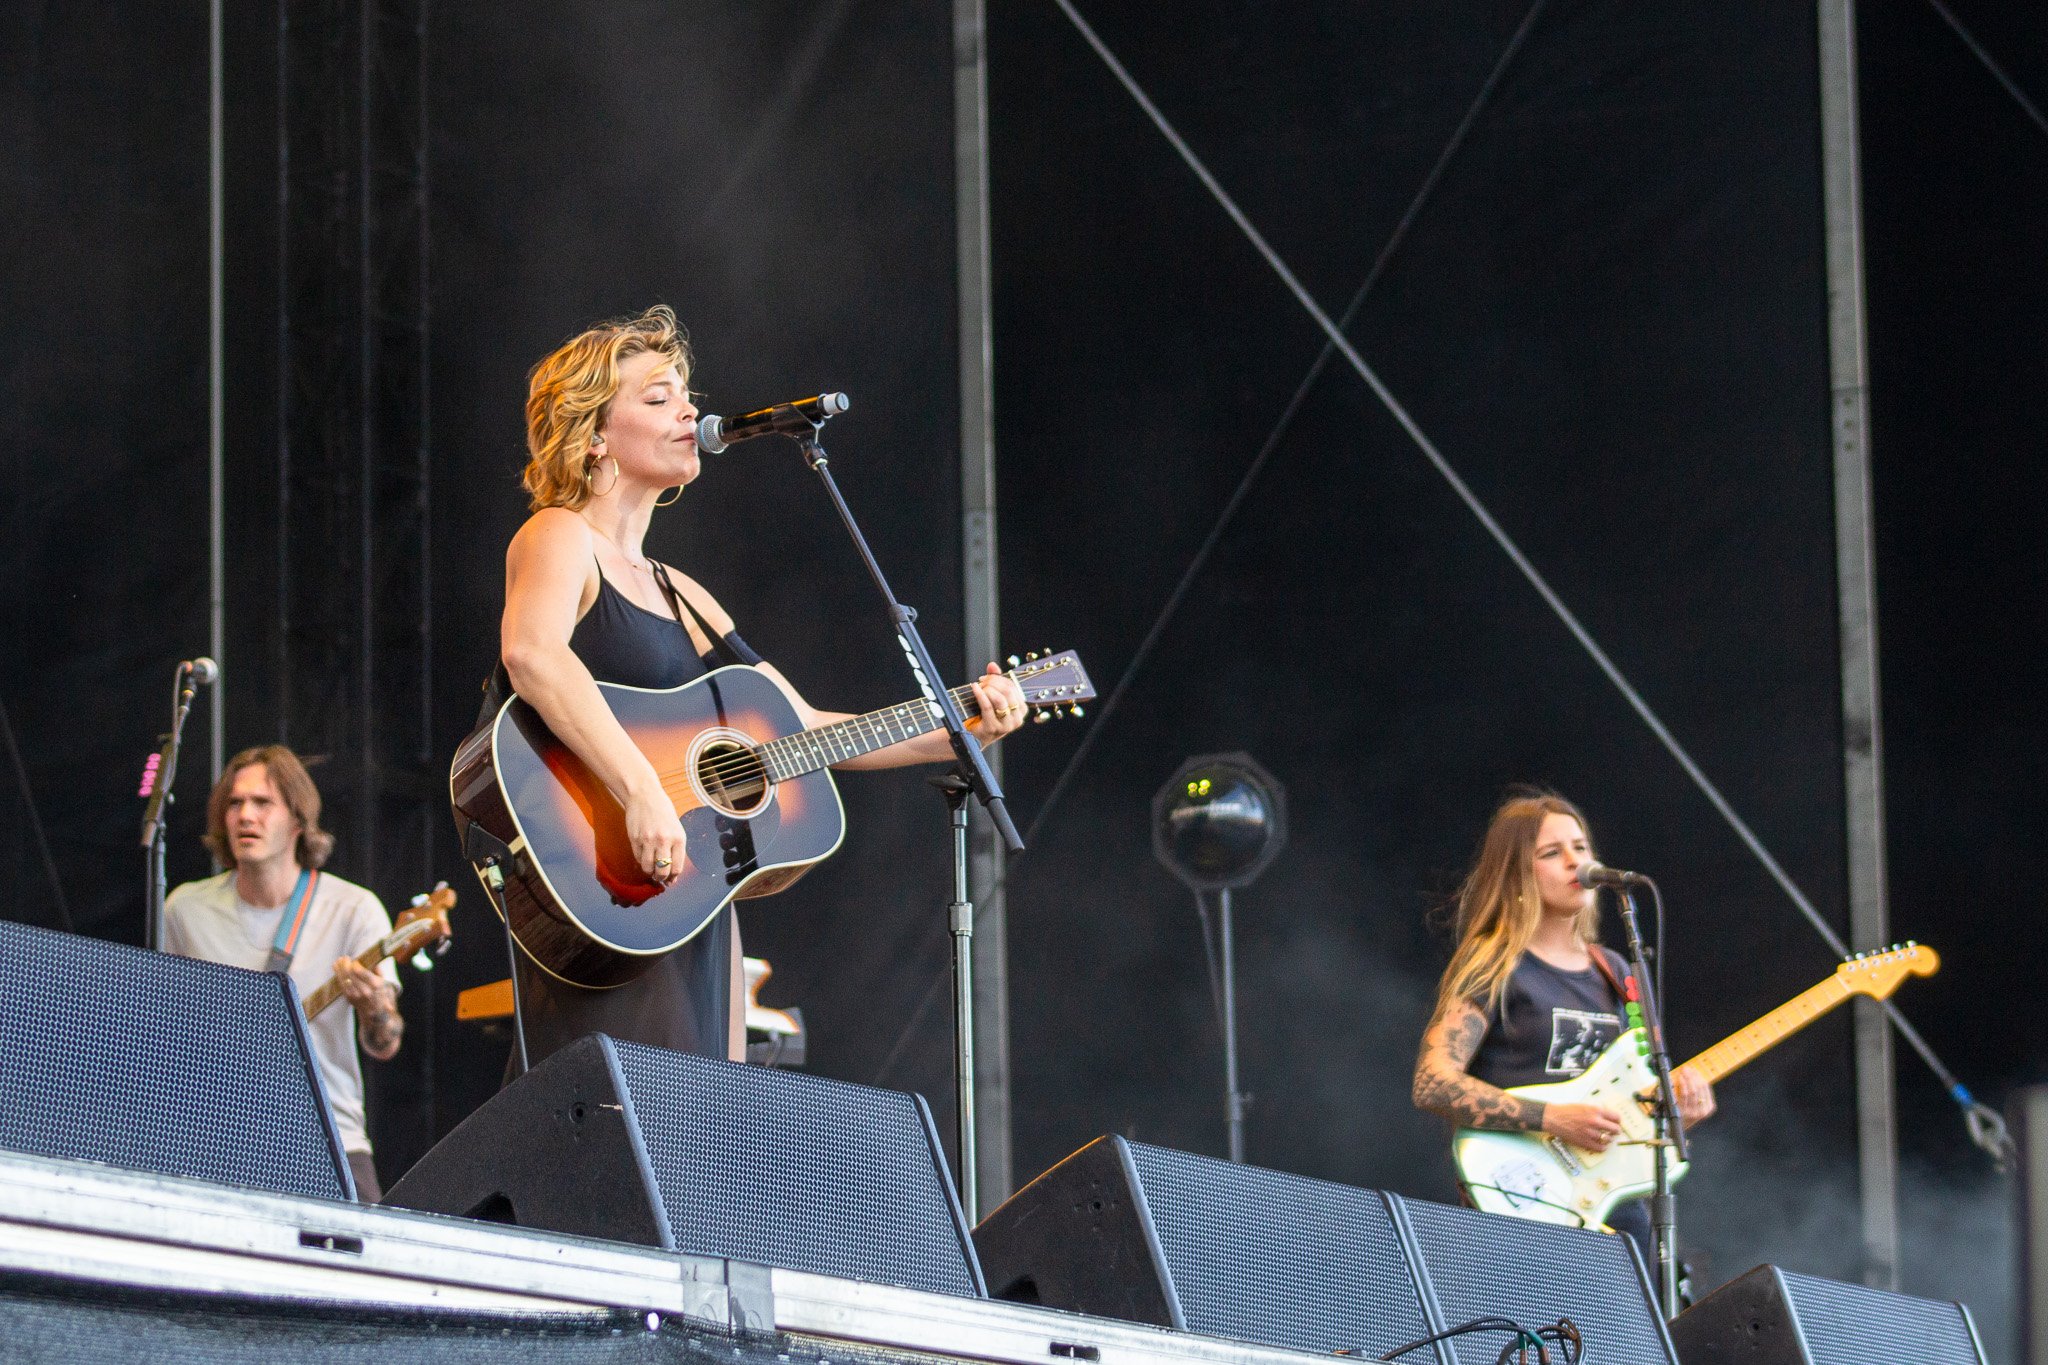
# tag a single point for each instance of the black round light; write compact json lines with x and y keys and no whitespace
{"x":1218,"y":821}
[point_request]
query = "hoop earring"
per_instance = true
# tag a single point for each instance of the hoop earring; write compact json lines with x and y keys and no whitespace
{"x":658,"y":502}
{"x":590,"y":473}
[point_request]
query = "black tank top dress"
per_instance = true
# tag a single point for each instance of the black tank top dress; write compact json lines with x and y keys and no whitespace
{"x":683,"y":1001}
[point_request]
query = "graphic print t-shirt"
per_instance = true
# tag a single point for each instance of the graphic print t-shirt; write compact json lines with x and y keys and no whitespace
{"x":1551,"y":1025}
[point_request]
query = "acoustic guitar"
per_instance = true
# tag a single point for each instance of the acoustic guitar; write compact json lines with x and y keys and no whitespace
{"x":1538,"y":1176}
{"x":757,"y":805}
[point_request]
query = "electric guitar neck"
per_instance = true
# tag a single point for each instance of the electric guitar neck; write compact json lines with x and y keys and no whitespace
{"x":423,"y":924}
{"x":1873,"y":974}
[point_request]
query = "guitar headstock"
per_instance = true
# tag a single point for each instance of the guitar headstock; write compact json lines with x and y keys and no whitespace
{"x":1878,"y":974}
{"x":424,"y":922}
{"x":1052,"y":680}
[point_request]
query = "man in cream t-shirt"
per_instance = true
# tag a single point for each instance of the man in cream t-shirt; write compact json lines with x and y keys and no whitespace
{"x":263,"y":823}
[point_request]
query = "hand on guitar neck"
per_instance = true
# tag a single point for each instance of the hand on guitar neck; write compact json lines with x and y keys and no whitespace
{"x":379,"y":1025}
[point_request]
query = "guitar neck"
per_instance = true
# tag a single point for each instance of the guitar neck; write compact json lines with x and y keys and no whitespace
{"x":331,"y":992}
{"x":809,"y":750}
{"x":1745,"y":1044}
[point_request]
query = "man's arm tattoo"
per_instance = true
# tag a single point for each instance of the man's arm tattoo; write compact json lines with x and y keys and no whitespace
{"x":1443,"y":1086}
{"x":381,"y":1033}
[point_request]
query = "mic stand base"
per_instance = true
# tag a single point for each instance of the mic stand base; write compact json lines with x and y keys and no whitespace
{"x":960,"y":922}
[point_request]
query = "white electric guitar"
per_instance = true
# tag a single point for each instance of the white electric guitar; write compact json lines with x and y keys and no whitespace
{"x":1535,"y":1175}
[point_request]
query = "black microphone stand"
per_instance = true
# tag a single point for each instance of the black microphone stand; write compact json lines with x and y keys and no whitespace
{"x":975,"y":773}
{"x":1670,"y":1142}
{"x":157,"y":776}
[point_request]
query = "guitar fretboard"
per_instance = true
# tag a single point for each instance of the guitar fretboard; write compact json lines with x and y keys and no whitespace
{"x":1746,"y":1044}
{"x":330,"y":991}
{"x":809,"y":750}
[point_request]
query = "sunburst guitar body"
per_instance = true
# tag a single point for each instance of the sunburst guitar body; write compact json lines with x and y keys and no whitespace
{"x":758,"y":809}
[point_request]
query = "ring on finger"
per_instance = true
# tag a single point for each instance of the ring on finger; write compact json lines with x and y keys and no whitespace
{"x":661,"y":862}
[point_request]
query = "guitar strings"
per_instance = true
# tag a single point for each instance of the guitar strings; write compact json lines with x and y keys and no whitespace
{"x":725,"y":767}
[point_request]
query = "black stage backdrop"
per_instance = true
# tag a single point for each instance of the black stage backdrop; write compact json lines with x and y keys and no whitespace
{"x":1609,"y":317}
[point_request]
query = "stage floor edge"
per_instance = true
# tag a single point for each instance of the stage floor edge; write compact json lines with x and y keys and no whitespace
{"x":80,"y":1220}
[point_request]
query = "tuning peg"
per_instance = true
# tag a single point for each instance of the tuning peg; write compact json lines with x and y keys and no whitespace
{"x":1040,"y":717}
{"x":1031,"y":656}
{"x":1075,"y":711}
{"x":420,"y":899}
{"x":422,"y":961}
{"x":441,"y":948}
{"x":1015,"y":661}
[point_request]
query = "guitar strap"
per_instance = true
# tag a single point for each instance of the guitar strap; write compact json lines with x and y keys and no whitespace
{"x":678,"y":604}
{"x":1607,"y":970}
{"x":292,"y":920}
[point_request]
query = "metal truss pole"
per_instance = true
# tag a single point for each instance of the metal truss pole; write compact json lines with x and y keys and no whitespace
{"x":1862,"y":747}
{"x":355,"y":622}
{"x":216,"y":379}
{"x":979,"y":603}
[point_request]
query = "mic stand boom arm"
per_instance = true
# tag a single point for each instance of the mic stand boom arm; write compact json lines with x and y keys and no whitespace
{"x":904,"y":621}
{"x":1671,"y":1139}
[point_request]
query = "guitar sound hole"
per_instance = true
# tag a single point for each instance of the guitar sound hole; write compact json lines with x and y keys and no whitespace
{"x":734,"y":779}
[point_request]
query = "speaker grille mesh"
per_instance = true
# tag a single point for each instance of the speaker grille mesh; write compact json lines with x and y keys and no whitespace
{"x":1481,"y":1264}
{"x":1848,"y":1324}
{"x":1269,"y":1257}
{"x":796,"y":1171}
{"x":157,"y":1063}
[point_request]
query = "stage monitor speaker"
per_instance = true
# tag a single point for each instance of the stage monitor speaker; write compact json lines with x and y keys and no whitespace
{"x":636,"y":1144}
{"x":1775,"y":1317}
{"x":1146,"y":1234}
{"x":160,"y":1063}
{"x":1479,"y":1264}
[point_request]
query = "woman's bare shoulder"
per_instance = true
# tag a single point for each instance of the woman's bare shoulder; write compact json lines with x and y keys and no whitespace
{"x":550,"y":533}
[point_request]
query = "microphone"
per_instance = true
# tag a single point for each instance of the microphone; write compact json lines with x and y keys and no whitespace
{"x":1599,"y":874}
{"x":201,"y":670}
{"x":800,"y":418}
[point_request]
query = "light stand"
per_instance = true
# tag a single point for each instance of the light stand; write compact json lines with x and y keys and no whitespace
{"x":974,"y":774}
{"x":1671,"y":1139}
{"x":1215,"y":825}
{"x":158,"y":775}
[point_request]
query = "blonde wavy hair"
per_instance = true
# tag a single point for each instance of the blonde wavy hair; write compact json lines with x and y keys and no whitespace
{"x":1498,"y":906}
{"x":569,"y":392}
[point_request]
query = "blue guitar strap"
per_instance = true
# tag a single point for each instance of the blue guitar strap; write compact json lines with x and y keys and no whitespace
{"x":292,"y":920}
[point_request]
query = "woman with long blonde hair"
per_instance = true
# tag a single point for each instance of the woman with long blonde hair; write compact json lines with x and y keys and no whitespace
{"x":611,"y":434}
{"x":1531,"y":996}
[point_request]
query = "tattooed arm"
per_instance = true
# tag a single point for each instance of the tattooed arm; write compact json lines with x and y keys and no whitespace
{"x":1443,"y":1086}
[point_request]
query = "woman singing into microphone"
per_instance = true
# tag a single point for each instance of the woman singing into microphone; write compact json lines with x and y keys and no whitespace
{"x":610,"y":429}
{"x":1530,"y":996}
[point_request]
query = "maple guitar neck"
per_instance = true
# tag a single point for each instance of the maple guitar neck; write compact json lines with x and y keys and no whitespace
{"x":331,"y":992}
{"x":424,"y":922}
{"x":1748,"y":1043}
